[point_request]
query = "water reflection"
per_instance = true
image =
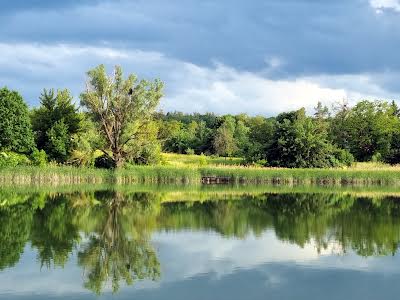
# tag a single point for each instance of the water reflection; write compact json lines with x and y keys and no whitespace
{"x":112,"y":232}
{"x":118,"y":248}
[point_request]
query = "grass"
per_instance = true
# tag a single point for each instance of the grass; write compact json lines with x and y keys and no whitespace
{"x":184,"y":160}
{"x":192,"y":175}
{"x":189,"y":169}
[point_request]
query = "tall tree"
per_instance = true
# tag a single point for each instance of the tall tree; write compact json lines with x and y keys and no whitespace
{"x":366,"y":129}
{"x":55,"y":122}
{"x":299,"y":142}
{"x":15,"y":127}
{"x":224,"y":142}
{"x":122,"y":108}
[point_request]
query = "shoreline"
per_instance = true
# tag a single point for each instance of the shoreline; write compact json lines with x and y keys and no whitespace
{"x":190,"y":175}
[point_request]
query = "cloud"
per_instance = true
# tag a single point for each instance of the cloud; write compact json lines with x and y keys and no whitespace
{"x":189,"y":87}
{"x":219,"y":88}
{"x":380,"y":5}
{"x":310,"y":37}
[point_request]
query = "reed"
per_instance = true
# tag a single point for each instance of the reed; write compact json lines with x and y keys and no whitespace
{"x":64,"y":175}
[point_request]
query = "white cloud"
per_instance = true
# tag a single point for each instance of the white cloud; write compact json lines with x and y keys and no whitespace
{"x":189,"y":87}
{"x":380,"y":5}
{"x":210,"y":253}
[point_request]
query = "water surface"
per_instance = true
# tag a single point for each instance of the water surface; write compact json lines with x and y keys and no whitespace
{"x":230,"y":244}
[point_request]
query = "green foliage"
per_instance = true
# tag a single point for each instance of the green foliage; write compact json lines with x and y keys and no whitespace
{"x":15,"y":127}
{"x":39,"y":158}
{"x":393,"y":157}
{"x":178,"y":137}
{"x":122,"y":110}
{"x":86,"y":143}
{"x":260,"y":138}
{"x":55,"y":122}
{"x":366,"y":129}
{"x":58,"y":141}
{"x":300,"y":142}
{"x":189,"y":151}
{"x":145,"y":149}
{"x":121,"y":123}
{"x":343,"y":157}
{"x":203,"y":160}
{"x":12,"y":159}
{"x":224,"y":142}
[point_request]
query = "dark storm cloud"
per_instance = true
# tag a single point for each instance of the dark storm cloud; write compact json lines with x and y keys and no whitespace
{"x":309,"y":37}
{"x":261,"y":56}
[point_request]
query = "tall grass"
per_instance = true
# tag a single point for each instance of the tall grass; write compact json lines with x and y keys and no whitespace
{"x":181,"y":160}
{"x":192,"y":175}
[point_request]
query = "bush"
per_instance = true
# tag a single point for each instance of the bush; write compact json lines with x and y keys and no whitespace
{"x":377,"y":157}
{"x":148,"y":155}
{"x":39,"y":158}
{"x":12,"y":159}
{"x":189,"y":151}
{"x":203,"y":160}
{"x":343,"y":157}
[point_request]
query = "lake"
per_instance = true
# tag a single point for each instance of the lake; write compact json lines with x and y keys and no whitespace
{"x":199,"y":243}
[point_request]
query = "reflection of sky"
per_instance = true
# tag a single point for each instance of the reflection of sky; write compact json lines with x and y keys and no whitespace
{"x":205,"y":265}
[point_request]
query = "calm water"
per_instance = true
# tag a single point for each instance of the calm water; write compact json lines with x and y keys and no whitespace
{"x":167,"y":245}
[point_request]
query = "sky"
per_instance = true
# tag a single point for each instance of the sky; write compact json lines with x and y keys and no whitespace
{"x":260,"y":57}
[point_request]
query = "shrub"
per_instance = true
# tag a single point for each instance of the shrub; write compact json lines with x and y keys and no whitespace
{"x":203,"y":160}
{"x":343,"y":157}
{"x":12,"y":159}
{"x":39,"y":158}
{"x":189,"y":151}
{"x":377,"y":157}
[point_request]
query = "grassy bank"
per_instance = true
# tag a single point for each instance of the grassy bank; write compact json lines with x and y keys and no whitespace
{"x":192,"y":175}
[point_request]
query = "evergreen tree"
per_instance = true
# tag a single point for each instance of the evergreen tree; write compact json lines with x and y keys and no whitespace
{"x":55,"y":122}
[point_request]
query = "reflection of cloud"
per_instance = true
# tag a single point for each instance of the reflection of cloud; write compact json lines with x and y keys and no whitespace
{"x":26,"y":278}
{"x":202,"y":252}
{"x":189,"y":254}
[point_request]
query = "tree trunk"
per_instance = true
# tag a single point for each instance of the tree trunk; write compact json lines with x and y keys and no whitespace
{"x":118,"y":159}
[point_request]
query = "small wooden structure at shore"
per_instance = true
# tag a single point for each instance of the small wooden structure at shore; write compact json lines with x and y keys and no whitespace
{"x":215,"y":180}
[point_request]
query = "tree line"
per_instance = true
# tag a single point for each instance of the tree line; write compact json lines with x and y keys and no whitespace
{"x":117,"y":123}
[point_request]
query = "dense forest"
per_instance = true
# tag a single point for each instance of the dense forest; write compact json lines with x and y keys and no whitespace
{"x":117,"y":122}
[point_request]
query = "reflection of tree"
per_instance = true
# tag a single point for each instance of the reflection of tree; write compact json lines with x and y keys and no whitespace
{"x":370,"y":227}
{"x":53,"y":233}
{"x":118,"y":227}
{"x":114,"y":253}
{"x":15,"y":226}
{"x":302,"y":218}
{"x":235,"y":218}
{"x":366,"y":226}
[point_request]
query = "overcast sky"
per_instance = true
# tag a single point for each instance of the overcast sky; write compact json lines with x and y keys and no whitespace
{"x":223,"y":56}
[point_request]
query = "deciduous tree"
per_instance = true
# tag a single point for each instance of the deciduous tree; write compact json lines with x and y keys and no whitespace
{"x":15,"y":127}
{"x":122,"y":108}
